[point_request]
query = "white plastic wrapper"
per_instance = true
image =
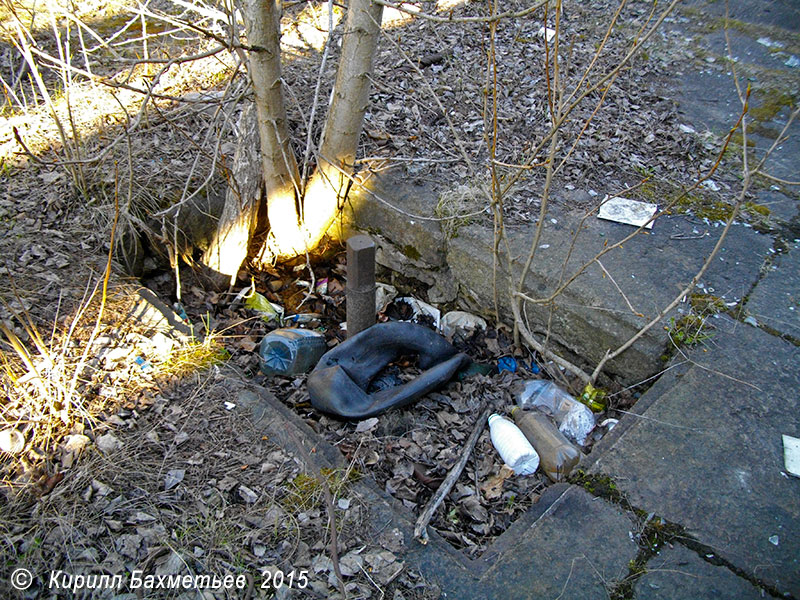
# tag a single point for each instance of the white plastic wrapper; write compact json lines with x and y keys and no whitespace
{"x":575,"y":420}
{"x":464,"y":323}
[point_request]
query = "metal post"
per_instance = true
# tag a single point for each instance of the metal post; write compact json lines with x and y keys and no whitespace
{"x":360,"y":284}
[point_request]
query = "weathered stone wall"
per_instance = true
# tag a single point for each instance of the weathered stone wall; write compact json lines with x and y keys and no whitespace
{"x":599,"y":310}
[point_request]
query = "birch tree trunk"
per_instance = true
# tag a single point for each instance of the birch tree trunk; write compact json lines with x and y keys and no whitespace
{"x":336,"y":163}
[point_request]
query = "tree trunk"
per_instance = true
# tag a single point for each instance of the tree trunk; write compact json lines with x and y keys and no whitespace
{"x":327,"y":187}
{"x":278,"y":164}
{"x":242,"y":201}
{"x":289,"y":235}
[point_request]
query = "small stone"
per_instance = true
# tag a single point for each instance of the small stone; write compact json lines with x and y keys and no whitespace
{"x":248,"y":495}
{"x":351,"y":563}
{"x":75,"y":443}
{"x":108,"y":443}
{"x":343,"y":503}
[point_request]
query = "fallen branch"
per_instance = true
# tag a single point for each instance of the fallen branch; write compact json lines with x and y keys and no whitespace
{"x":420,"y":532}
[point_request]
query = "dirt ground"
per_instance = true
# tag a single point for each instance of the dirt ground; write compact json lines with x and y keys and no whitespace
{"x":133,"y":452}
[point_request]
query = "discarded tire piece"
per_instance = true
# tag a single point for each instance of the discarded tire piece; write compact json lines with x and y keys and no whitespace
{"x":338,"y":384}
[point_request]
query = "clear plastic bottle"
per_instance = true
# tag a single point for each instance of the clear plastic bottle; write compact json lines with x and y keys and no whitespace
{"x":574,"y":419}
{"x":291,"y":351}
{"x":557,"y":455}
{"x":512,"y":445}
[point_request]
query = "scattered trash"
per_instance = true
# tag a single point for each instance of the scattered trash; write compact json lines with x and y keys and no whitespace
{"x":774,"y":540}
{"x":384,"y":293}
{"x":269,"y":310}
{"x":557,"y":455}
{"x":228,"y":405}
{"x":291,"y":351}
{"x":173,"y":478}
{"x":751,"y":321}
{"x":338,"y":384}
{"x":710,"y":184}
{"x":181,"y":312}
{"x":512,"y":445}
{"x":143,"y":364}
{"x":594,"y":398}
{"x":506,"y":363}
{"x":302,"y":318}
{"x":343,"y":503}
{"x":792,"y":62}
{"x":574,"y":419}
{"x":422,"y":309}
{"x":687,"y":129}
{"x":11,"y":441}
{"x":791,"y":455}
{"x":609,"y":424}
{"x":322,"y":287}
{"x":629,"y":212}
{"x":547,"y":33}
{"x":464,"y":324}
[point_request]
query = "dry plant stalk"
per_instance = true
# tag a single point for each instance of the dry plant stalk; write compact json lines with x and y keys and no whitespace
{"x":420,"y":528}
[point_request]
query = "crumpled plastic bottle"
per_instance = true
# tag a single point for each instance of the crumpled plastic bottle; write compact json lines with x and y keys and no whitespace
{"x":291,"y":351}
{"x":575,"y":420}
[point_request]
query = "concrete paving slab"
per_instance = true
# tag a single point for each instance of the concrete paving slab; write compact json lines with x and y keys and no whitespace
{"x":774,"y":13}
{"x":782,"y":207}
{"x":680,"y":574}
{"x":775,"y":302}
{"x":576,"y":549}
{"x":708,"y":101}
{"x":707,"y":452}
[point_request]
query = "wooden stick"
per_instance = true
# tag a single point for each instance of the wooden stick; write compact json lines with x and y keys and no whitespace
{"x":420,"y":532}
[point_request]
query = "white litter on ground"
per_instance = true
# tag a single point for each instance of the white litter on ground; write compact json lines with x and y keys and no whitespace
{"x":791,"y":455}
{"x":630,"y":212}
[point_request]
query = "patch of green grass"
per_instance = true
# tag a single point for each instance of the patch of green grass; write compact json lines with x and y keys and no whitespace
{"x":689,"y":330}
{"x":194,"y":357}
{"x":774,"y":102}
{"x":305,"y":491}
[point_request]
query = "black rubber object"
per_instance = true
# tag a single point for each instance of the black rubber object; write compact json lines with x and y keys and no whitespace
{"x":338,"y":384}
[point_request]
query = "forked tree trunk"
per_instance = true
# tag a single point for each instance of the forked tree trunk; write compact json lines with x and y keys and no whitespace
{"x":322,"y":195}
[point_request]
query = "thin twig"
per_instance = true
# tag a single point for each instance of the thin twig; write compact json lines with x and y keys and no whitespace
{"x":420,"y":532}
